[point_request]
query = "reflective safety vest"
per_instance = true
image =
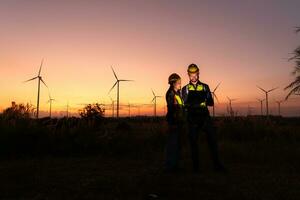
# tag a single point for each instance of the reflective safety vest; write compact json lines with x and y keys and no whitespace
{"x":179,"y":100}
{"x":199,"y":88}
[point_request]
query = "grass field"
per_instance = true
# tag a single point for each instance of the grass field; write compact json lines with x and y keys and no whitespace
{"x":123,"y":159}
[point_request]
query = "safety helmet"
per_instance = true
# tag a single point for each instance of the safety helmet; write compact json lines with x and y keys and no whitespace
{"x":193,"y":68}
{"x":173,"y":78}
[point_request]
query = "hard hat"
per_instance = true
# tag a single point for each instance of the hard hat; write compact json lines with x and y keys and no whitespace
{"x":193,"y":68}
{"x":173,"y":78}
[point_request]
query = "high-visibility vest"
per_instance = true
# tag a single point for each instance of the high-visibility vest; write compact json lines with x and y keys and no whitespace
{"x":199,"y":88}
{"x":179,"y":100}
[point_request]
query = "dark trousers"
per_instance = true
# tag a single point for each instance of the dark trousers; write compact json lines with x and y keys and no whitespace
{"x":173,"y":146}
{"x":207,"y":126}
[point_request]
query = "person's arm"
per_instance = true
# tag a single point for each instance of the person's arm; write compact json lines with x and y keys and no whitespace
{"x":209,"y":98}
{"x":170,"y":101}
{"x":171,"y":108}
{"x":184,"y":94}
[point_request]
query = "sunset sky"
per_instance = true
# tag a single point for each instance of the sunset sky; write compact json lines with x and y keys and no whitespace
{"x":238,"y":43}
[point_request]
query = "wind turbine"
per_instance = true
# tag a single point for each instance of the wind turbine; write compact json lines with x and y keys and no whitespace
{"x":267,"y":100}
{"x":261,"y":105}
{"x":112,"y":106}
{"x":118,"y":89}
{"x":249,"y":110}
{"x":40,"y":79}
{"x":68,"y":109}
{"x":50,"y":102}
{"x":137,"y":108}
{"x":279,"y":106}
{"x":230,"y":105}
{"x":154,"y":101}
{"x":215,"y":96}
{"x":129,"y":109}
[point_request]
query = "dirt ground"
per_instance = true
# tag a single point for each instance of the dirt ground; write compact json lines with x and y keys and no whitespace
{"x":255,"y":171}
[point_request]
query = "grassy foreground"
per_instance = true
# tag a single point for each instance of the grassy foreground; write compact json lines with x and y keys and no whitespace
{"x":123,"y":159}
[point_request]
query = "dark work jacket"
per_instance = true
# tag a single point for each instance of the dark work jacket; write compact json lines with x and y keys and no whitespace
{"x":196,"y":99}
{"x":175,"y":112}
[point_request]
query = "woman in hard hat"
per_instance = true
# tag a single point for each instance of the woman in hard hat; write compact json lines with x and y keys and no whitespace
{"x":175,"y":119}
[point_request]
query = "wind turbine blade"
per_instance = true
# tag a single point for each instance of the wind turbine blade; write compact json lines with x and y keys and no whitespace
{"x":153,"y":93}
{"x":272,"y":89}
{"x":261,"y":88}
{"x":158,"y":96}
{"x":217,"y":87}
{"x":114,"y":73}
{"x":228,"y":99}
{"x":125,"y":80}
{"x":30,"y":79}
{"x":44,"y":82}
{"x":41,"y":66}
{"x":216,"y":97}
{"x":113,"y":86}
{"x":153,"y":99}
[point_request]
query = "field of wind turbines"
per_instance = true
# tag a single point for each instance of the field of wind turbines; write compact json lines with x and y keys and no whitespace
{"x":121,"y":157}
{"x":149,"y":100}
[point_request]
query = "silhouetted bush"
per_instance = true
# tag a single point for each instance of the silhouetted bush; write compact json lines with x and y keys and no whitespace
{"x":92,"y":111}
{"x":18,"y":111}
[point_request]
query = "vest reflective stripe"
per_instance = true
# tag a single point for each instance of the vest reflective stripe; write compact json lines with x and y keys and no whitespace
{"x":198,"y":88}
{"x":203,"y":104}
{"x":178,"y":99}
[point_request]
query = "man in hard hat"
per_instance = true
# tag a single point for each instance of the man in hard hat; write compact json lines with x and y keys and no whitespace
{"x":197,"y":97}
{"x":175,"y":118}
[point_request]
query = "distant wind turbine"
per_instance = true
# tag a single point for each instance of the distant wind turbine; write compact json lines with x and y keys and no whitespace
{"x":267,"y":100}
{"x":230,"y":105}
{"x":112,"y":106}
{"x":279,"y":106}
{"x":118,"y":89}
{"x":40,"y":79}
{"x":261,"y":105}
{"x":136,"y":107}
{"x":50,"y":102}
{"x":215,"y":96}
{"x":154,"y":101}
{"x":68,"y":109}
{"x":249,"y":110}
{"x":129,"y":109}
